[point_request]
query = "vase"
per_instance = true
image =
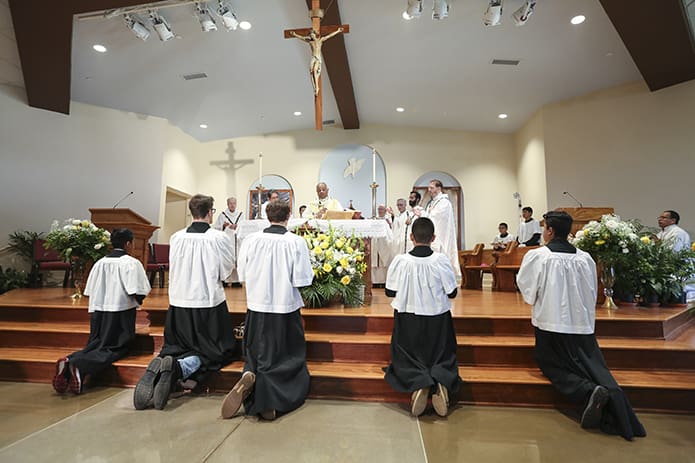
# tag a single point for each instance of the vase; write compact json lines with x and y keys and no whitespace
{"x":608,"y":280}
{"x":77,"y":269}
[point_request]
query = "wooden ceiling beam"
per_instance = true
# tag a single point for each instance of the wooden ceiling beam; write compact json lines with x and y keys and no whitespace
{"x":657,"y":35}
{"x":338,"y":68}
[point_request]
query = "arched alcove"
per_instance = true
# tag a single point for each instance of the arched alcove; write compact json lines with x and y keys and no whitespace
{"x":452,"y":188}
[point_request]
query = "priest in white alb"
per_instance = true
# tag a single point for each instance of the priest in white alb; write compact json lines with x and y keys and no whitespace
{"x":402,"y":224}
{"x":382,"y":251}
{"x":228,"y":222}
{"x":440,"y":211}
{"x":318,"y":207}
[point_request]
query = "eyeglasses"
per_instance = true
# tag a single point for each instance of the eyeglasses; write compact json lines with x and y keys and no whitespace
{"x":213,"y":210}
{"x":663,"y":217}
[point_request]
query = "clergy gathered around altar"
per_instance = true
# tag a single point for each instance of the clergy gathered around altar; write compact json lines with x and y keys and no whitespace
{"x":275,"y":378}
{"x":228,"y":222}
{"x":423,"y":342}
{"x":198,"y":331}
{"x":116,"y":286}
{"x":560,"y":281}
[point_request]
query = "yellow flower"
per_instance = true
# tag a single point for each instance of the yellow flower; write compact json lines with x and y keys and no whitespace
{"x":329,"y":254}
{"x":349,"y":250}
{"x":324,"y":245}
{"x":359,"y":258}
{"x":85,"y":223}
{"x":339,"y":244}
{"x":327,"y":267}
{"x":322,"y":237}
{"x":599,"y":242}
{"x":317,"y":251}
{"x":645,"y":240}
{"x":344,"y":262}
{"x":345,"y":280}
{"x":692,"y":246}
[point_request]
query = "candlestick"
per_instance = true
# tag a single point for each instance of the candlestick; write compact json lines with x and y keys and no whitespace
{"x":374,"y":186}
{"x":373,"y":165}
{"x":260,"y":167}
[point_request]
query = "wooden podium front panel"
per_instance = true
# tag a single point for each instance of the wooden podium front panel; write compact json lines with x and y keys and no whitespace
{"x":583,"y":215}
{"x":110,"y":219}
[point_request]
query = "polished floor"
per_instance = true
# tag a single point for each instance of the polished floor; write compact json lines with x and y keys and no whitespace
{"x":37,"y":425}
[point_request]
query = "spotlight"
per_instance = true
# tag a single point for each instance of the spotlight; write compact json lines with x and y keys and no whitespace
{"x":161,"y":27}
{"x":521,"y":15}
{"x":228,"y":18}
{"x":414,"y":9}
{"x":139,"y":29}
{"x":207,"y":22}
{"x":493,"y":14}
{"x":440,"y":9}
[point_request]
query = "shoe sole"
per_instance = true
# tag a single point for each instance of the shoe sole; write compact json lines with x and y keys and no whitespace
{"x":235,"y":398}
{"x":591,"y":417}
{"x":419,"y":402}
{"x":269,"y":416}
{"x":60,"y":382}
{"x":440,"y":401}
{"x":75,"y":381}
{"x":163,"y":387}
{"x":144,"y":390}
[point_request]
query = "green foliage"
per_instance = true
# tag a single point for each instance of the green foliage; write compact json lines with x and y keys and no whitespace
{"x":22,"y":243}
{"x":338,"y":265}
{"x":11,"y":279}
{"x":79,"y":241}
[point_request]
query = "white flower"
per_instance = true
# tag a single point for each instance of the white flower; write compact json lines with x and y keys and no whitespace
{"x":339,"y":269}
{"x":98,"y":245}
{"x":625,"y":250}
{"x":611,"y":225}
{"x":632,"y":236}
{"x":76,"y":221}
{"x":580,"y":234}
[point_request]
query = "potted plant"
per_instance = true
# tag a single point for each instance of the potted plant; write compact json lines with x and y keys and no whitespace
{"x":11,"y":279}
{"x":22,"y":243}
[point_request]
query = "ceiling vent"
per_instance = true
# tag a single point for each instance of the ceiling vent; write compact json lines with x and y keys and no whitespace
{"x":329,"y":122}
{"x":506,"y":62}
{"x":198,"y":75}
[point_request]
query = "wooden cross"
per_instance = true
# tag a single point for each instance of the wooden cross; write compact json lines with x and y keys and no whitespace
{"x":315,"y":36}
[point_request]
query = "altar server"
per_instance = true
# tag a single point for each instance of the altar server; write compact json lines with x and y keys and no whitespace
{"x":198,"y":331}
{"x":529,"y":229}
{"x":275,"y":378}
{"x":117,"y":284}
{"x":560,"y":282}
{"x":423,"y":343}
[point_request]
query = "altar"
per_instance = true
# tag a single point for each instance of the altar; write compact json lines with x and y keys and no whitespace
{"x":365,"y":229}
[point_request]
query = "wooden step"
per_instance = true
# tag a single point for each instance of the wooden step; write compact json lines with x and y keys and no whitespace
{"x":654,"y":390}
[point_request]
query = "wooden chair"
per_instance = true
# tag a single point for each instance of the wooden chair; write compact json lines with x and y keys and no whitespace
{"x":49,"y":260}
{"x":471,"y":267}
{"x":160,"y":263}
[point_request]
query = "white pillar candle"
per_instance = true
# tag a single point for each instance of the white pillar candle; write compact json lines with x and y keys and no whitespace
{"x":373,"y":165}
{"x":260,"y":168}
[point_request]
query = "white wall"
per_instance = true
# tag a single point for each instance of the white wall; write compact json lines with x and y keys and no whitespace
{"x":530,"y":150}
{"x":627,"y":148}
{"x":55,"y":166}
{"x":484,"y":164}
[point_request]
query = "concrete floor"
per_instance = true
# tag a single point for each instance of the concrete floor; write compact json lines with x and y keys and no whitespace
{"x":38,"y":425}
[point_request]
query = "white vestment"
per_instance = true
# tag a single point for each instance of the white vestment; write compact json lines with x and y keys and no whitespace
{"x":441,"y":213}
{"x":499,"y":241}
{"x":112,"y":283}
{"x":675,"y":236}
{"x":421,"y":283}
{"x":233,"y":218}
{"x":402,"y":226}
{"x":274,"y":266}
{"x":562,"y":289}
{"x":381,"y":256}
{"x":198,"y":264}
{"x":528,"y":229}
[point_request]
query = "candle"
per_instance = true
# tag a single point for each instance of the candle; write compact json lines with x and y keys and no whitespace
{"x":260,"y":168}
{"x":373,"y":165}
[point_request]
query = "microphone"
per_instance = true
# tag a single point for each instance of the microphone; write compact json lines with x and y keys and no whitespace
{"x":122,"y":199}
{"x":570,"y":195}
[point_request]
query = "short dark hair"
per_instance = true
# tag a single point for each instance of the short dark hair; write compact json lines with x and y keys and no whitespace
{"x":503,"y":224}
{"x":270,"y":193}
{"x":423,"y":230}
{"x":437,"y":183}
{"x":200,"y":206}
{"x":674,"y":215}
{"x":121,"y":236}
{"x":278,"y":211}
{"x":302,"y":207}
{"x":417,"y":195}
{"x":560,"y":222}
{"x":528,"y":209}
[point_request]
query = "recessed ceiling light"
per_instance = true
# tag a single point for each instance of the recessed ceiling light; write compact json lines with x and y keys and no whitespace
{"x":99,"y":48}
{"x":297,"y":113}
{"x":400,"y":110}
{"x":610,"y":53}
{"x":406,"y":16}
{"x":203,"y":126}
{"x":245,"y":25}
{"x":502,"y":116}
{"x":580,"y":18}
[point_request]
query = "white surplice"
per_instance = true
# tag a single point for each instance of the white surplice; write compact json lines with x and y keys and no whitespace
{"x":441,"y":213}
{"x":112,"y":282}
{"x":234,"y":218}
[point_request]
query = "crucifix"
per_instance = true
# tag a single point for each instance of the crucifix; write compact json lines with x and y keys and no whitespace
{"x":315,"y":36}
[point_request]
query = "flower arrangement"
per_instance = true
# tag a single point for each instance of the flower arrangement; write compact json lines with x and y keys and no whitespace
{"x":338,"y":264}
{"x":78,"y":240}
{"x":611,"y":241}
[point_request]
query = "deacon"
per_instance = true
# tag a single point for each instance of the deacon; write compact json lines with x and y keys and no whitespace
{"x":559,"y":280}
{"x":423,"y":343}
{"x":228,"y":222}
{"x":401,"y":228}
{"x":275,"y":378}
{"x":116,"y":286}
{"x":324,"y":203}
{"x":440,"y":211}
{"x":381,"y":250}
{"x":529,"y":228}
{"x":198,"y":331}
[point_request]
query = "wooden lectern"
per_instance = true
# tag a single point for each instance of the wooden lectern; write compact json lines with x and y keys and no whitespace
{"x":110,"y":219}
{"x":583,"y":215}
